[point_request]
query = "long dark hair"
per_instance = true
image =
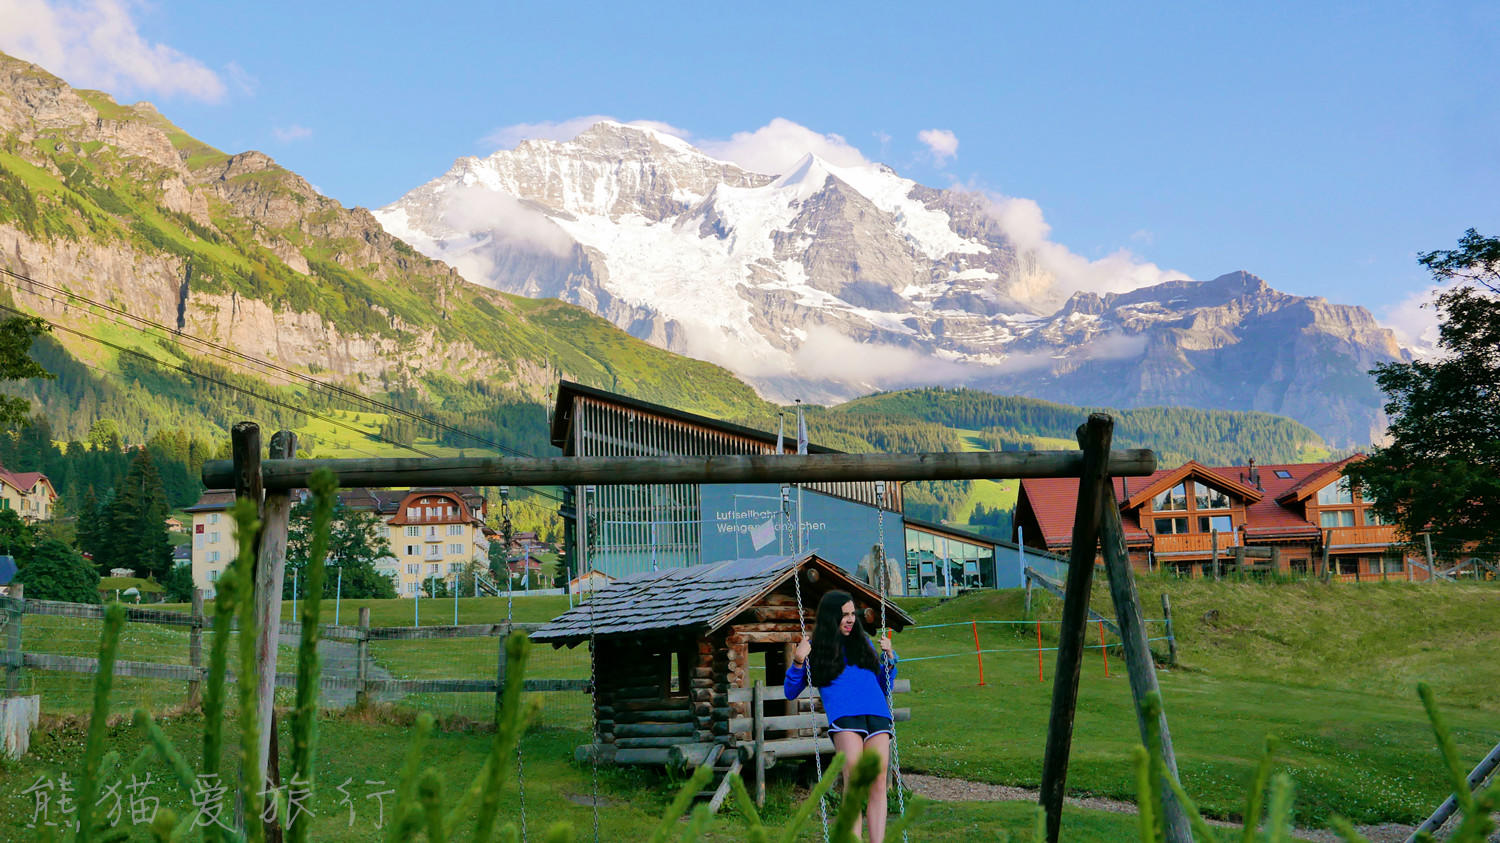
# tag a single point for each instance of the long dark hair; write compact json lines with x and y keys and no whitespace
{"x":831,"y":651}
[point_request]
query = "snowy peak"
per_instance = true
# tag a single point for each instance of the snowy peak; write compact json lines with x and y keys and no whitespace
{"x":833,"y":280}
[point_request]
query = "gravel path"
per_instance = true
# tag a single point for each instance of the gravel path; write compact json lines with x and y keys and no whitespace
{"x":959,"y":790}
{"x":338,"y":659}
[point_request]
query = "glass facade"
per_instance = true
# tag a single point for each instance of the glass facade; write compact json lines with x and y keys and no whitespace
{"x":944,"y":564}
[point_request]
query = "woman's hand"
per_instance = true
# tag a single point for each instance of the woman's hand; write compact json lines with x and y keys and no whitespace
{"x":885,"y":646}
{"x":803,"y":650}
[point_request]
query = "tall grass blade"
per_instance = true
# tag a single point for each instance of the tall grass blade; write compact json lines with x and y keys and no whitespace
{"x":430,"y":791}
{"x":1456,"y":776}
{"x":742,"y":797}
{"x":856,"y":796}
{"x":1147,"y":806}
{"x":406,"y":820}
{"x":508,"y":727}
{"x":1280,"y":821}
{"x":699,"y":822}
{"x":324,"y":486}
{"x":1347,"y":830}
{"x":93,"y":752}
{"x":242,"y":578}
{"x":1255,"y":798}
{"x":680,"y":802}
{"x":903,"y":824}
{"x":804,"y":811}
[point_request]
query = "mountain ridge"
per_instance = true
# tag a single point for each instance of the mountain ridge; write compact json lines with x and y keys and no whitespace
{"x":830,"y":281}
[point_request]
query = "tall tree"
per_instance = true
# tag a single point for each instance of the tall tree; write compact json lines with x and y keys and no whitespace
{"x":54,"y":571}
{"x":1441,"y":471}
{"x":16,"y":336}
{"x":136,"y":521}
{"x":356,"y":539}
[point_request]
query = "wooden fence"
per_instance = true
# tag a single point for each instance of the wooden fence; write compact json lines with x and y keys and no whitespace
{"x":16,"y":607}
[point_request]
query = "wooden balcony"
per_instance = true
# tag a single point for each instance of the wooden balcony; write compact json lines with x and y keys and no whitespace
{"x":1196,"y":544}
{"x":1368,"y":537}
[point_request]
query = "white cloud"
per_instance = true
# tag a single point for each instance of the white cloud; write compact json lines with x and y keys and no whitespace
{"x":1414,"y":321}
{"x":1027,"y":229}
{"x":777,"y":146}
{"x":506,"y":137}
{"x":294,"y":132}
{"x":507,"y":220}
{"x":242,"y":79}
{"x":942,"y":143}
{"x":94,"y":44}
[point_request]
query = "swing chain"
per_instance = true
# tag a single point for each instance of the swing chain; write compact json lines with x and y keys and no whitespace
{"x":802,"y":622}
{"x":889,"y":665}
{"x":505,"y":529}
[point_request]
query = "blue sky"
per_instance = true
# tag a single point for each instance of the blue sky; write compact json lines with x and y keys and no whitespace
{"x":1320,"y":146}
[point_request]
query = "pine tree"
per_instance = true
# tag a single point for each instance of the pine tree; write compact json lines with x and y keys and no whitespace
{"x":136,"y":523}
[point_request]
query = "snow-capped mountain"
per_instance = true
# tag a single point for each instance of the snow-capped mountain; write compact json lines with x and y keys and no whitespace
{"x":824,"y":282}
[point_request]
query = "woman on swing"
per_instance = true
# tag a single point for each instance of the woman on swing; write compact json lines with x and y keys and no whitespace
{"x":852,"y":681}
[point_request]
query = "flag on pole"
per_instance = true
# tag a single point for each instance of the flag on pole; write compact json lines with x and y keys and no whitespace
{"x":801,"y":429}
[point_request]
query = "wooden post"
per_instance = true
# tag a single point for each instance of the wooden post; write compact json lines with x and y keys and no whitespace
{"x":758,"y":726}
{"x":1213,"y":544}
{"x":13,"y":615}
{"x":1239,"y":562}
{"x":195,"y":651}
{"x":1028,"y":594}
{"x":1138,"y":661}
{"x":1094,"y":438}
{"x":1431,"y":560}
{"x":1166,"y":612}
{"x":362,"y":658}
{"x":1275,"y":559}
{"x":270,"y":570}
{"x":1327,"y":572}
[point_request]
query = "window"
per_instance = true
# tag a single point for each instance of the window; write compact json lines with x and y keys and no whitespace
{"x":213,"y":576}
{"x":455,"y":549}
{"x":1172,"y":500}
{"x":1336,"y":518}
{"x":434,"y":551}
{"x":1394,"y":564}
{"x":213,"y":556}
{"x":1336,"y":493}
{"x":413,"y":568}
{"x":455,"y":567}
{"x":1210,"y":498}
{"x":451,"y":512}
{"x":432,"y":532}
{"x":455,"y":529}
{"x":413,"y":531}
{"x":213,"y":518}
{"x":1282,"y":473}
{"x":1210,"y":523}
{"x":198,"y":541}
{"x":413,"y":512}
{"x":433,"y":569}
{"x":1372,"y":518}
{"x":1171,"y":526}
{"x":412,"y":550}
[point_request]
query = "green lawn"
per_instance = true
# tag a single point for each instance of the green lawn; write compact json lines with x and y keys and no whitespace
{"x":1329,"y":670}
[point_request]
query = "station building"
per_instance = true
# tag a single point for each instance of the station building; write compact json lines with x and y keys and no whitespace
{"x":623,"y":530}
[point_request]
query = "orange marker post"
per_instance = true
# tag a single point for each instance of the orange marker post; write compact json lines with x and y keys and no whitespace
{"x":1039,"y":651}
{"x":978,"y":655}
{"x":1103,"y":649}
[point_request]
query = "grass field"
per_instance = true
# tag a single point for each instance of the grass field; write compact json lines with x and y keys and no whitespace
{"x":1329,"y":669}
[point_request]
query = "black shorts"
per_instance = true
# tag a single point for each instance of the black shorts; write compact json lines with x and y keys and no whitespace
{"x":868,"y":725}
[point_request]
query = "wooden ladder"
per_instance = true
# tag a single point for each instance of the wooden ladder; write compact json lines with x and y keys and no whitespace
{"x":722,"y":770}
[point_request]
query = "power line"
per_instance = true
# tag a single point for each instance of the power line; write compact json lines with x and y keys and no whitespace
{"x":266,"y":364}
{"x":234,"y":353}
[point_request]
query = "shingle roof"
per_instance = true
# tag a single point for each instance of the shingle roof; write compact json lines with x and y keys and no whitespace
{"x":212,"y":502}
{"x":700,"y":595}
{"x":1054,"y":500}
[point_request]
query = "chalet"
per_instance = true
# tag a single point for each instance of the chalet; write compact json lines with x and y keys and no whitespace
{"x":436,"y":532}
{"x":1306,"y":514}
{"x":675,"y":651}
{"x":27,"y":493}
{"x":213,"y":539}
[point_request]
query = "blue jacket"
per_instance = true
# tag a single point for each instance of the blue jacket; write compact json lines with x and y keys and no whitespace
{"x":854,"y":691}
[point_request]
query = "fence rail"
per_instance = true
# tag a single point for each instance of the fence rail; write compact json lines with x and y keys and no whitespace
{"x":15,"y":656}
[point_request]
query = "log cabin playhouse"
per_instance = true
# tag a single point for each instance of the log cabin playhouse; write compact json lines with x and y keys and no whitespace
{"x":678,"y":656}
{"x":1303,"y":518}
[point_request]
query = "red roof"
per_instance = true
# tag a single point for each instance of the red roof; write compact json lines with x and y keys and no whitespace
{"x":22,"y":480}
{"x":1053,"y":500}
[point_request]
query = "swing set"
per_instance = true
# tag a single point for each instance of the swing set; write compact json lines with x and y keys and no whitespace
{"x":1097,"y":530}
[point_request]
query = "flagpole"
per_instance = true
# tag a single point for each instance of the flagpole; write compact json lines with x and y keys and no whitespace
{"x":801,"y":449}
{"x":785,"y":516}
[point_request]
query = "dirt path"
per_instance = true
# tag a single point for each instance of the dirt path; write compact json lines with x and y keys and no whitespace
{"x":338,"y":659}
{"x":958,"y":790}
